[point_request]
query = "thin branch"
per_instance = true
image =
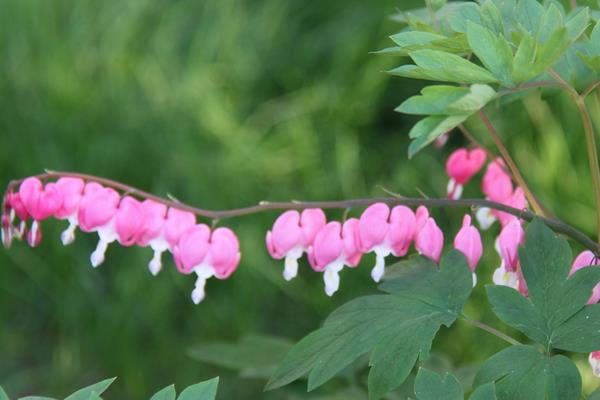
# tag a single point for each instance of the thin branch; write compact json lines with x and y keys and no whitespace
{"x":555,"y":224}
{"x":491,"y":330}
{"x":512,"y":166}
{"x":590,"y":89}
{"x":590,"y":140}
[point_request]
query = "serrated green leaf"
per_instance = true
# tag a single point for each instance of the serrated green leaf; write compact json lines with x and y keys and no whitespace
{"x":167,"y":393}
{"x":254,"y":355}
{"x":551,"y":51}
{"x":396,"y":328}
{"x":475,"y":100}
{"x":529,"y":14}
{"x":492,"y":49}
{"x":431,"y":386}
{"x":449,"y":67}
{"x":491,"y":18}
{"x":413,"y":72}
{"x":459,"y":17}
{"x":3,"y":395}
{"x":551,"y":21}
{"x":555,"y":314}
{"x":98,"y":388}
{"x":592,"y":62}
{"x":524,"y":60}
{"x":433,"y":100}
{"x":484,"y":392}
{"x":206,"y":390}
{"x":407,"y":267}
{"x":412,"y":38}
{"x":428,"y":129}
{"x":523,"y":373}
{"x":577,"y":24}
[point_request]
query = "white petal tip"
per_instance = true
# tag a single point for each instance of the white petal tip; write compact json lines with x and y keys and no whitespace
{"x":474,"y":279}
{"x":197,"y":296}
{"x":96,"y":259}
{"x":154,"y":268}
{"x":67,"y":238}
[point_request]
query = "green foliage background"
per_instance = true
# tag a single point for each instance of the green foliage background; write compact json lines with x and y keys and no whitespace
{"x":222,"y":103}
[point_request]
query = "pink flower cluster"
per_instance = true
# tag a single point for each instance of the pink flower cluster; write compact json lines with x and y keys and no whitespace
{"x":330,"y":246}
{"x":123,"y":219}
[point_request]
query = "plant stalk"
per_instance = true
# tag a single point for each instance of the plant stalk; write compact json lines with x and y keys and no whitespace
{"x":491,"y":330}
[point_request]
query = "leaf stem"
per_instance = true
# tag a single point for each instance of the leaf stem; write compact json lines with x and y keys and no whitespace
{"x":512,"y":166}
{"x":590,"y":141}
{"x":394,"y":199}
{"x":491,"y":330}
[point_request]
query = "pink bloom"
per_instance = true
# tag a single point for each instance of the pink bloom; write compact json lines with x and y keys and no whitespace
{"x":178,"y":221}
{"x":6,"y":231}
{"x":594,"y":360}
{"x":429,"y":240}
{"x":372,"y":236}
{"x":497,"y":186}
{"x":152,"y":234}
{"x":129,"y":221}
{"x":207,"y":255}
{"x":511,"y":237}
{"x":586,"y":259}
{"x":14,"y":207}
{"x":333,"y":248}
{"x":40,"y":202}
{"x":292,"y":234}
{"x":515,"y":200}
{"x":468,"y":241}
{"x":402,"y":230}
{"x":97,"y":212}
{"x":461,"y":166}
{"x":71,"y":190}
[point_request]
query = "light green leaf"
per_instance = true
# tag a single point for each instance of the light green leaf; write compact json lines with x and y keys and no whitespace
{"x":396,"y":328}
{"x":551,"y":51}
{"x":206,"y":390}
{"x":492,"y":49}
{"x":431,"y":386}
{"x":254,"y":356}
{"x":167,"y":393}
{"x":529,"y":14}
{"x":484,"y":392}
{"x":37,"y":398}
{"x":524,"y":60}
{"x":450,"y":67}
{"x":491,"y":18}
{"x":551,"y":21}
{"x":461,"y":15}
{"x":415,"y":38}
{"x":523,"y":373}
{"x":428,"y":129}
{"x":98,"y":388}
{"x":434,"y":100}
{"x":555,"y":314}
{"x":595,"y":395}
{"x":577,"y":24}
{"x":414,"y":72}
{"x":475,"y":100}
{"x":3,"y":395}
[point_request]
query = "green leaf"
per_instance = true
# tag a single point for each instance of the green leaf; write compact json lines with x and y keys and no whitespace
{"x":98,"y":388}
{"x":524,"y":60}
{"x":167,"y":393}
{"x":206,"y":390}
{"x":492,"y":49}
{"x":555,"y":314}
{"x":428,"y":129}
{"x":577,"y":24}
{"x":595,"y":395}
{"x":459,"y":18}
{"x":475,"y":100}
{"x":484,"y":392}
{"x":434,"y":100}
{"x":396,"y":328}
{"x":415,"y":38}
{"x":523,"y":373}
{"x":254,"y":356}
{"x":450,"y":67}
{"x":3,"y":395}
{"x":491,"y":18}
{"x":407,"y":267}
{"x":37,"y":398}
{"x":551,"y":21}
{"x":529,"y":14}
{"x":431,"y":386}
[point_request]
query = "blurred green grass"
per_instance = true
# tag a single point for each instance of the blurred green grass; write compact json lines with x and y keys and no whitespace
{"x":222,"y":103}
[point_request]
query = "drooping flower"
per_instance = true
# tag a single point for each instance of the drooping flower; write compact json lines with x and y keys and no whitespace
{"x":129,"y":221}
{"x":511,"y":237}
{"x":372,"y":236}
{"x":333,"y":248}
{"x":594,"y":360}
{"x":429,"y":239}
{"x":515,"y":200}
{"x":177,"y":223}
{"x":16,"y":209}
{"x":97,"y":212}
{"x":71,"y":190}
{"x":461,"y":166}
{"x":402,"y":230}
{"x":497,"y":186}
{"x":152,"y":232}
{"x":207,"y":255}
{"x":40,"y":201}
{"x":468,"y":241}
{"x":587,"y":259}
{"x":292,"y":234}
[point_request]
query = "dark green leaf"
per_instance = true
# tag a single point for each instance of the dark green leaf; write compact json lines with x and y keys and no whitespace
{"x":492,"y":49}
{"x":167,"y":393}
{"x":407,"y":267}
{"x":523,"y":373}
{"x":595,"y":395}
{"x":555,"y":314}
{"x":254,"y":356}
{"x":37,"y":398}
{"x":206,"y":390}
{"x":431,"y":386}
{"x":98,"y":388}
{"x":428,"y":129}
{"x":397,"y":329}
{"x":484,"y":392}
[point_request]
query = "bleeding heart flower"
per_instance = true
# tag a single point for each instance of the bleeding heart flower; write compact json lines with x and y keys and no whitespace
{"x":468,"y":241}
{"x":177,"y":223}
{"x":372,"y":236}
{"x":594,"y":359}
{"x":71,"y":190}
{"x":429,"y":240}
{"x":40,"y":202}
{"x":497,"y":186}
{"x":152,"y":233}
{"x":129,"y":221}
{"x":292,"y":234}
{"x":461,"y":166}
{"x":511,"y":237}
{"x":587,"y":259}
